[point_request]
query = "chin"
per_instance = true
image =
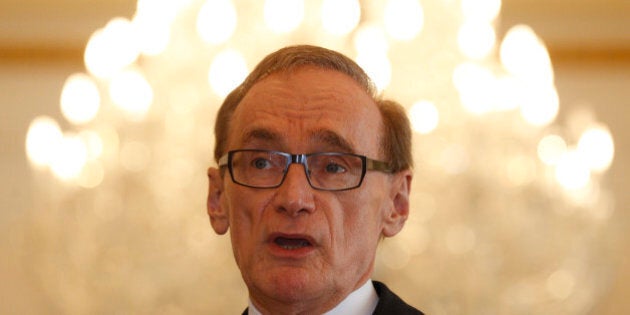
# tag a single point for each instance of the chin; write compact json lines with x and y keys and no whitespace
{"x":290,"y":284}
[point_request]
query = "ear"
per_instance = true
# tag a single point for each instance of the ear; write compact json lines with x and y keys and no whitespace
{"x":217,"y":213}
{"x":398,"y":212}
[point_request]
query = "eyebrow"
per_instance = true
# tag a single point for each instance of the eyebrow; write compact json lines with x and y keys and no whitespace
{"x":260,"y":135}
{"x":332,"y":139}
{"x":320,"y":136}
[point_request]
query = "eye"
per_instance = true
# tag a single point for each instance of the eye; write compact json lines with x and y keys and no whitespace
{"x":334,"y":168}
{"x":260,"y":163}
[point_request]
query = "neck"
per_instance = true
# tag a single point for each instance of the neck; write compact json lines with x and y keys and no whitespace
{"x":300,"y":305}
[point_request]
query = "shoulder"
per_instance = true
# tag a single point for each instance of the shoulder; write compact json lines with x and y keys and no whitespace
{"x":390,"y":303}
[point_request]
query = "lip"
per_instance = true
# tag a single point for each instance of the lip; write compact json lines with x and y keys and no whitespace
{"x":291,"y":253}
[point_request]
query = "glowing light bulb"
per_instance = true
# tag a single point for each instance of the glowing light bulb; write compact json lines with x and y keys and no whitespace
{"x":283,"y":16}
{"x":227,"y":71}
{"x":551,"y":149}
{"x":524,"y":55}
{"x":597,"y":148}
{"x":69,"y":158}
{"x":572,"y":172}
{"x":80,"y":99}
{"x":216,"y":21}
{"x":370,"y":39}
{"x":403,"y":19}
{"x":424,"y":117}
{"x":378,"y":67}
{"x":153,"y":34}
{"x":112,"y":48}
{"x":474,"y":84}
{"x":340,"y":17}
{"x":482,"y":10}
{"x":131,"y":92}
{"x":476,"y":39}
{"x":540,"y":105}
{"x":42,"y":140}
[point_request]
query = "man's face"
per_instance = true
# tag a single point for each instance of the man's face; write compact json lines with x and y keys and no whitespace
{"x":295,"y":245}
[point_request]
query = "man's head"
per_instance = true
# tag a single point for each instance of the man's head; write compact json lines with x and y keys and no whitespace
{"x":305,"y":236}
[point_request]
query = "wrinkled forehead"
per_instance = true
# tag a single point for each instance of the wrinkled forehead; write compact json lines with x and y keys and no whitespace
{"x":318,"y":109}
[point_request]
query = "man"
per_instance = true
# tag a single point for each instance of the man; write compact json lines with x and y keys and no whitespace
{"x":305,"y":236}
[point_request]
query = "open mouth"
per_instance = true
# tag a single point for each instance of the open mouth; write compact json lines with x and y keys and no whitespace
{"x":290,"y":243}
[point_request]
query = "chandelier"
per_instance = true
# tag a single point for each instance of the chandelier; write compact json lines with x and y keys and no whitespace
{"x":509,"y":211}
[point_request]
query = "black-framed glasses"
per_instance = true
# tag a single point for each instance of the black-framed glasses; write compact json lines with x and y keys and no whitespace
{"x":332,"y":171}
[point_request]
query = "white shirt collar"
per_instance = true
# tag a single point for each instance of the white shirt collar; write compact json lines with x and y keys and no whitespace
{"x":360,"y":302}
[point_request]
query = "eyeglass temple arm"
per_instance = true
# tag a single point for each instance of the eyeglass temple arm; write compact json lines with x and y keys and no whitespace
{"x":375,"y":165}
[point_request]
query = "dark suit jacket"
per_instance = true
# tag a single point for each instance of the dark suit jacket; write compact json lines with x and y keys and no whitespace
{"x":388,"y":303}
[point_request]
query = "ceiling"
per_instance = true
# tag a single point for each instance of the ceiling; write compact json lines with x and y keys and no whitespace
{"x":595,"y":29}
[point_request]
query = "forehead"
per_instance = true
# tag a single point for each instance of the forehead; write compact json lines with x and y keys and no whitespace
{"x":307,"y":109}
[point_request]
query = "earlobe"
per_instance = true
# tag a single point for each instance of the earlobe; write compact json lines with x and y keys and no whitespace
{"x":217,"y":213}
{"x":399,"y":211}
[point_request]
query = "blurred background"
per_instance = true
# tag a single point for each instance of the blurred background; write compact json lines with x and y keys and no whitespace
{"x":519,"y":205}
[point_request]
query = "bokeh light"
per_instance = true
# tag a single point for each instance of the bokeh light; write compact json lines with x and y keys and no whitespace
{"x":112,"y":48}
{"x":130,"y":91}
{"x":80,"y":99}
{"x":403,"y":19}
{"x":481,"y":10}
{"x":551,"y":149}
{"x":69,"y":157}
{"x":216,"y":21}
{"x":597,"y":147}
{"x":524,"y":55}
{"x":42,"y":140}
{"x":424,"y":117}
{"x":283,"y":16}
{"x":340,"y":17}
{"x":572,"y":172}
{"x":476,"y":39}
{"x":228,"y":70}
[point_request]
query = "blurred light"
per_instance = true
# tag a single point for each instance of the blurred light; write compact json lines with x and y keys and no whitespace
{"x":460,"y":239}
{"x":80,"y":99}
{"x":110,"y":141}
{"x":378,"y":68}
{"x":482,"y":10}
{"x":340,"y":17}
{"x":153,"y":34}
{"x":69,"y":158}
{"x":540,"y":105}
{"x":93,"y":143}
{"x":521,"y":170}
{"x":92,"y":174}
{"x":597,"y":148}
{"x":506,"y":89}
{"x":370,"y":39}
{"x":455,"y":159}
{"x":572,"y":172}
{"x":112,"y":48}
{"x":403,"y":19}
{"x":283,"y":16}
{"x":42,"y":140}
{"x":474,"y":84}
{"x":560,"y":284}
{"x":135,"y":156}
{"x":424,"y":117}
{"x":551,"y":149}
{"x":227,"y":71}
{"x":131,"y":92}
{"x":216,"y":21}
{"x":476,"y":39}
{"x":524,"y":55}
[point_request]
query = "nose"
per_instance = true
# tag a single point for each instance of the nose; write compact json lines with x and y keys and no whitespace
{"x":295,"y":195}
